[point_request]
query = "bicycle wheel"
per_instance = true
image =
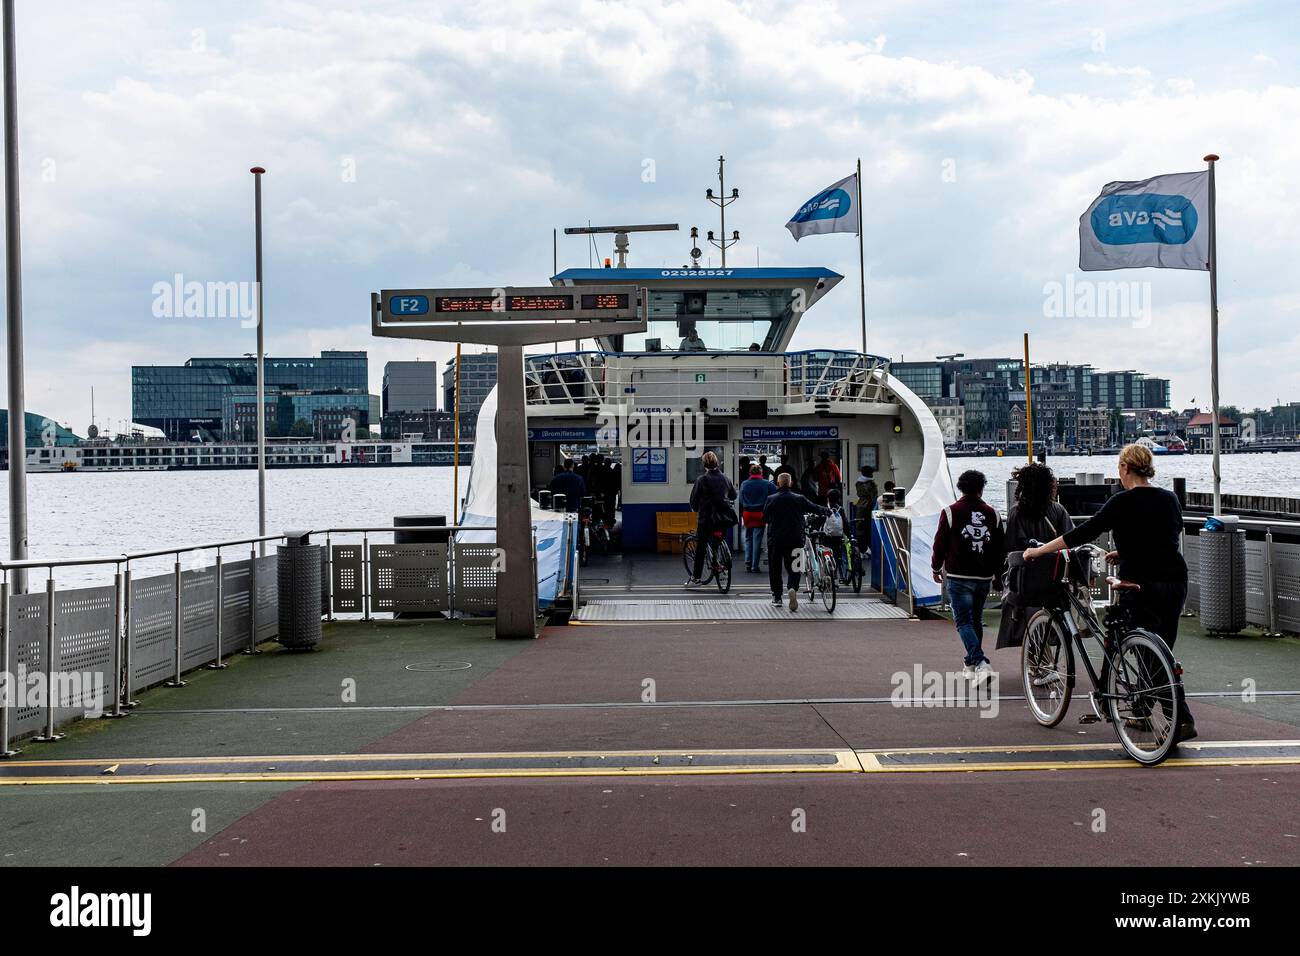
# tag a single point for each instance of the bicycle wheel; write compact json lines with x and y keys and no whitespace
{"x":827,"y":582}
{"x":1144,"y":696}
{"x":722,"y":566}
{"x":688,"y":552}
{"x":1047,"y":668}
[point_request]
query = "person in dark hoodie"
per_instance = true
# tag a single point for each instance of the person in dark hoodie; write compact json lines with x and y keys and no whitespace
{"x":1036,"y":517}
{"x":968,"y":552}
{"x":783,"y":514}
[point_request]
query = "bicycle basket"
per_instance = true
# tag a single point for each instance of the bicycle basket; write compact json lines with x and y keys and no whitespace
{"x":1039,"y":583}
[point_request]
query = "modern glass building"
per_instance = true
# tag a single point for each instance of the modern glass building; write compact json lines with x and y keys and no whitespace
{"x":410,"y":387}
{"x":40,"y":431}
{"x":184,"y":399}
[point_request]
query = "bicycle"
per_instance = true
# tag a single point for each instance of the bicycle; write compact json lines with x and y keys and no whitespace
{"x":717,"y":559}
{"x":819,"y":564}
{"x":1140,"y":683}
{"x":849,"y":563}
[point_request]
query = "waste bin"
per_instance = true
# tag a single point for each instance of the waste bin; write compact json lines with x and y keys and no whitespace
{"x":433,"y":536}
{"x":298,"y":564}
{"x":1221,"y":579}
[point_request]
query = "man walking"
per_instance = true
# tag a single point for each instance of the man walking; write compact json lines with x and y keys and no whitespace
{"x":783,"y":514}
{"x":968,"y":551}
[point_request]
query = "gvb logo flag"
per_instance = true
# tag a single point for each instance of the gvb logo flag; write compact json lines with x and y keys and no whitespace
{"x":1160,"y":223}
{"x":834,"y":209}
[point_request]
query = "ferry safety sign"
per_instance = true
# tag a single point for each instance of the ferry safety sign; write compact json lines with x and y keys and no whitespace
{"x":650,"y":465}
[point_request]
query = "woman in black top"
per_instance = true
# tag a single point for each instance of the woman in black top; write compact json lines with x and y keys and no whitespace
{"x":1146,"y":522}
{"x":1035,"y":517}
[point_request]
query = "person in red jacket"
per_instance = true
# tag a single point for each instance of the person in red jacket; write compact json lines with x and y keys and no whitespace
{"x":968,"y":552}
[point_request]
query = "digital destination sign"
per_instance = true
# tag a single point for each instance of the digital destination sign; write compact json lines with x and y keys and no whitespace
{"x":605,"y":300}
{"x":511,"y":313}
{"x":502,"y":303}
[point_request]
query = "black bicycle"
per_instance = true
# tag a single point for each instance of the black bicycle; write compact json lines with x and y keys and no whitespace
{"x":717,"y":559}
{"x":1139,"y":689}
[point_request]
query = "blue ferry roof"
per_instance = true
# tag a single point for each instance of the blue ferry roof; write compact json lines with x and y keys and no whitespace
{"x":632,"y":276}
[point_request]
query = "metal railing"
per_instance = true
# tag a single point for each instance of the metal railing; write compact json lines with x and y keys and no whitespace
{"x":824,"y":377}
{"x":896,"y":565}
{"x":107,"y":645}
{"x":185,"y":619}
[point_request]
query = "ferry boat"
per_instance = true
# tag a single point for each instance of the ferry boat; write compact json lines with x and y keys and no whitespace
{"x":174,"y":456}
{"x":751,"y":392}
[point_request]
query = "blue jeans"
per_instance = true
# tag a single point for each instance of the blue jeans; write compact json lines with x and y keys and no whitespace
{"x":754,"y":547}
{"x":967,"y":599}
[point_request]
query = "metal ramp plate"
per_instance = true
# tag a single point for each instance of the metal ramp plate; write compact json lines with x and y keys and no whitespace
{"x":715,"y":609}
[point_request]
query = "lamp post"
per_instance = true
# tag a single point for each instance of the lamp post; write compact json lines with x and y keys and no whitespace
{"x":14,"y":315}
{"x":257,"y":172}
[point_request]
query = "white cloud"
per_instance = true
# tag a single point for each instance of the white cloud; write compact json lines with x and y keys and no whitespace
{"x":473,"y":131}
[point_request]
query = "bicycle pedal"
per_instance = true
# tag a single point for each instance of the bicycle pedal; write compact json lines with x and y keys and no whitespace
{"x":1089,"y":719}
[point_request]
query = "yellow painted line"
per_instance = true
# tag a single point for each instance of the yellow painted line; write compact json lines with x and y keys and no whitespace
{"x":1035,"y":748}
{"x":1118,"y":762}
{"x":845,"y":761}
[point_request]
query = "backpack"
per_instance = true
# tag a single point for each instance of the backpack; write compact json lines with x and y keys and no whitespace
{"x":833,"y":526}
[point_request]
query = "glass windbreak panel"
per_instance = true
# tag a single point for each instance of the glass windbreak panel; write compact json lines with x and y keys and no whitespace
{"x":723,"y":320}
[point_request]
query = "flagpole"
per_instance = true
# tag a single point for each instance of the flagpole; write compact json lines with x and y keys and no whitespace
{"x":1029,"y":404}
{"x":862,"y":270}
{"x":1211,"y":159}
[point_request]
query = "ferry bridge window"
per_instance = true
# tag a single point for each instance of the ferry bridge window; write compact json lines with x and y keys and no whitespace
{"x":726,"y":319}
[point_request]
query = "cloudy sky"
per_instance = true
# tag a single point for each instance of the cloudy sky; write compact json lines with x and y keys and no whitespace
{"x":412,"y":144}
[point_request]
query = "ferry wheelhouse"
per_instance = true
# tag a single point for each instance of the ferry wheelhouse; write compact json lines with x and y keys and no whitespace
{"x":715,"y":350}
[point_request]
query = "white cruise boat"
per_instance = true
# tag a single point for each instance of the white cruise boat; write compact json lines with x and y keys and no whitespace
{"x":751,"y":395}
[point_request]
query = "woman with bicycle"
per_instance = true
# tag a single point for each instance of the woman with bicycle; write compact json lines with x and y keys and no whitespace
{"x":1036,"y":516}
{"x":711,"y":501}
{"x":1146,"y":523}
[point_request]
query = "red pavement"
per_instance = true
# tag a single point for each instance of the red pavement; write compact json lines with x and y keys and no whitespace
{"x":1167,"y":816}
{"x":1153,"y":818}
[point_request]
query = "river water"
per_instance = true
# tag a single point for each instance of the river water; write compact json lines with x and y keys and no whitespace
{"x":85,"y":513}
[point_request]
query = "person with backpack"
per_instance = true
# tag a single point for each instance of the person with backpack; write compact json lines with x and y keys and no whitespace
{"x":754,"y":492}
{"x":711,"y":499}
{"x":834,"y":529}
{"x":1036,"y":517}
{"x":968,"y":553}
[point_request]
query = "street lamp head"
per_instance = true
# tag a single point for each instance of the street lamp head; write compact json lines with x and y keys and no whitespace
{"x":735,"y":193}
{"x":708,"y":194}
{"x":1212,"y":158}
{"x":257,"y":170}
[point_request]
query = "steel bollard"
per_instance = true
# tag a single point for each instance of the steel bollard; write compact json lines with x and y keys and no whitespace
{"x":128,"y":614}
{"x":177,"y":623}
{"x":49,"y":734}
{"x":219,"y":664}
{"x":119,"y":636}
{"x":6,"y":592}
{"x":252,"y":602}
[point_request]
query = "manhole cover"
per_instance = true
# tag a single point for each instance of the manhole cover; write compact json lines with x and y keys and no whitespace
{"x":440,"y":666}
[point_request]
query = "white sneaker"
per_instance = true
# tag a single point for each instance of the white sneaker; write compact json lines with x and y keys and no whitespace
{"x":983,"y":671}
{"x":692,"y":583}
{"x":968,"y":672}
{"x":792,"y":597}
